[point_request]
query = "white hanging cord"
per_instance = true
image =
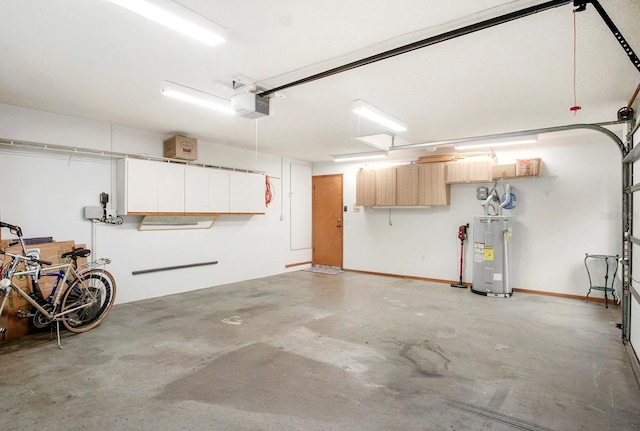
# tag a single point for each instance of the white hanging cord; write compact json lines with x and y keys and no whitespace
{"x":93,"y":238}
{"x":255,"y":126}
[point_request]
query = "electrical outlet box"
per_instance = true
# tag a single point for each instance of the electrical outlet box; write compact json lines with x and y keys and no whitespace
{"x":93,"y":212}
{"x":482,"y":193}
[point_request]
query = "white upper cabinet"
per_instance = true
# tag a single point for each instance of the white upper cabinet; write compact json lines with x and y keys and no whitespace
{"x":247,"y":193}
{"x":206,"y":190}
{"x":219,"y":194}
{"x":170,"y":188}
{"x":148,"y":187}
{"x":196,"y":186}
{"x":137,"y":187}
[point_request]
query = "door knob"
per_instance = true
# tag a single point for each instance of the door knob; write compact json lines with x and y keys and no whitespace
{"x":338,"y":223}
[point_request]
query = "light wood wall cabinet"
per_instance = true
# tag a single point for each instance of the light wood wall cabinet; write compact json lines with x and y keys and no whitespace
{"x":365,"y":188}
{"x":410,"y":185}
{"x":433,"y":188}
{"x":158,"y":188}
{"x":407,"y":185}
{"x":469,"y":171}
{"x":386,"y":184}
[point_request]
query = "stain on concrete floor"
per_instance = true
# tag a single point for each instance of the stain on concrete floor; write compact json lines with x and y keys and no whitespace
{"x":266,"y":379}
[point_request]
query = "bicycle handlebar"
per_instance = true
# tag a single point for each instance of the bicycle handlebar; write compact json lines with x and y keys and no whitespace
{"x":16,"y":230}
{"x":28,"y":259}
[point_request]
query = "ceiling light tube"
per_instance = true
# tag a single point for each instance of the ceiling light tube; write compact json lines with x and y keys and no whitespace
{"x":196,"y":97}
{"x":360,"y":156}
{"x":363,"y":109}
{"x":495,"y":144}
{"x":178,"y":18}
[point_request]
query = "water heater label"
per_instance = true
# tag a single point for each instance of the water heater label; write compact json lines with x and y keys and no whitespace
{"x":478,"y":251}
{"x":497,"y":277}
{"x":488,"y":253}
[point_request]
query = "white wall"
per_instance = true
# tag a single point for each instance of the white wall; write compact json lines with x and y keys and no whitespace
{"x":45,"y":193}
{"x":572,"y":210}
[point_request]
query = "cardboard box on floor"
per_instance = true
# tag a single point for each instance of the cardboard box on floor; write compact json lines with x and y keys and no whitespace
{"x":17,"y":327}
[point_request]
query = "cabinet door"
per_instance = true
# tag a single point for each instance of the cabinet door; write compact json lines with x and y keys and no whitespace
{"x":246,"y":193}
{"x":365,"y":188}
{"x":206,"y":190}
{"x":170,"y":188}
{"x":141,"y":186}
{"x":196,"y":189}
{"x":468,"y":171}
{"x":456,"y":172}
{"x":480,"y":171}
{"x":433,"y":189}
{"x":386,"y":187}
{"x":407,"y":185}
{"x":219,"y":191}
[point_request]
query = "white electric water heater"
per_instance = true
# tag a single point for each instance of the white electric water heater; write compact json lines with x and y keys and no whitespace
{"x":491,"y":238}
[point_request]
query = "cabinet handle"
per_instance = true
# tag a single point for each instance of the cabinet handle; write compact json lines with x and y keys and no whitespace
{"x":338,"y":223}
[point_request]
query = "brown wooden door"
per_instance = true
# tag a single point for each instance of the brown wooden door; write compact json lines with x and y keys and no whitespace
{"x":328,"y":220}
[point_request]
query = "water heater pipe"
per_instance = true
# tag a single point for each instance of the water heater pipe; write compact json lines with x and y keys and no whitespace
{"x":507,"y":200}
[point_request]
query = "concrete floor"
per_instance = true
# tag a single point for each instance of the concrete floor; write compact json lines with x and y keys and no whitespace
{"x":307,"y":351}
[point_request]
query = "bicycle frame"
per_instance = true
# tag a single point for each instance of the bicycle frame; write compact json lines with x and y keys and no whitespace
{"x":81,"y":297}
{"x":50,"y":298}
{"x":61,"y":270}
{"x":68,"y":268}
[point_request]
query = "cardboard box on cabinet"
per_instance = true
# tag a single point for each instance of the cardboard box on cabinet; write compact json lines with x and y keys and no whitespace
{"x":181,"y":147}
{"x":528,"y":167}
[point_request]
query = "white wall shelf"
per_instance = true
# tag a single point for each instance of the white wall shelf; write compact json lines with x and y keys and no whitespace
{"x":93,"y":153}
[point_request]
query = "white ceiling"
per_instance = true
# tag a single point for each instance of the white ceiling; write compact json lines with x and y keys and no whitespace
{"x":96,"y":60}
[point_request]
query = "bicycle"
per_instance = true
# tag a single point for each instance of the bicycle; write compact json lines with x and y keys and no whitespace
{"x":81,"y":297}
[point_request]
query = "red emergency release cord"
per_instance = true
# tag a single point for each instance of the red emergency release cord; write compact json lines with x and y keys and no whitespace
{"x":575,"y":108}
{"x":268,"y":194}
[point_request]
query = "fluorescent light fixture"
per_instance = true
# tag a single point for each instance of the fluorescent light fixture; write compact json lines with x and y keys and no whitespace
{"x":383,"y":141}
{"x":363,"y":109}
{"x":196,"y":97}
{"x":495,"y":144}
{"x":360,"y":156}
{"x":178,"y":18}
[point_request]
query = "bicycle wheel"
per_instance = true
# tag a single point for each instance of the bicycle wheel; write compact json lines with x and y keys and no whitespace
{"x":88,"y":300}
{"x":112,"y":281}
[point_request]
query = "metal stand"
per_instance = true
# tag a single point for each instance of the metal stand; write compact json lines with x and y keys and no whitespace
{"x":57,"y":333}
{"x":607,"y":287}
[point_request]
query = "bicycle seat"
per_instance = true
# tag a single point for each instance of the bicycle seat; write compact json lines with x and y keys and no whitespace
{"x":78,"y":252}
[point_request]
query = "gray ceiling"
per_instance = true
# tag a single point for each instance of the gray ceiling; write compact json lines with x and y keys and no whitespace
{"x":93,"y":59}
